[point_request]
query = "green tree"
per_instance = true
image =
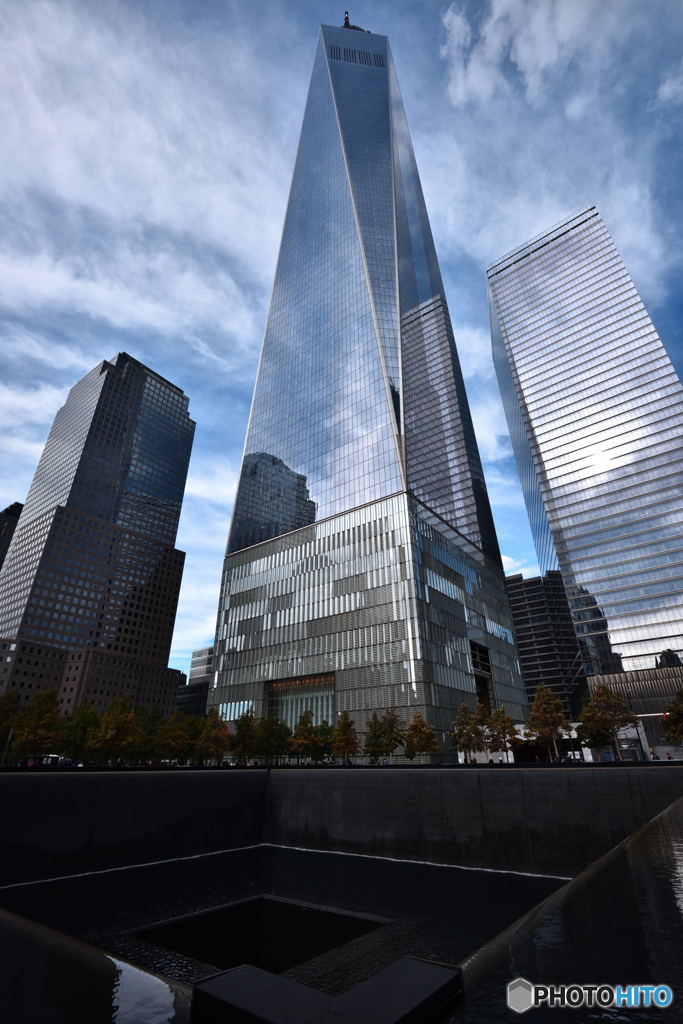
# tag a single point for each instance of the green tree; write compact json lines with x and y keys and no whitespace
{"x":374,"y":737}
{"x":10,"y":704}
{"x":344,"y":737}
{"x":303,"y":740}
{"x":150,"y":729}
{"x":673,"y":722}
{"x":214,"y":738}
{"x":38,"y":727}
{"x":272,"y":738}
{"x":420,"y":738}
{"x":80,"y":732}
{"x":117,"y":735}
{"x":393,"y":731}
{"x":603,"y":714}
{"x":323,"y":741}
{"x":547,"y":720}
{"x":179,"y":735}
{"x":500,"y":730}
{"x":468,"y":734}
{"x":243,"y":744}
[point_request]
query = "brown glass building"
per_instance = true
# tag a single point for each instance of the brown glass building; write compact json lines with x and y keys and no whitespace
{"x":89,"y":587}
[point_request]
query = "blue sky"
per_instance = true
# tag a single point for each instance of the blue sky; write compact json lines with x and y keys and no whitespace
{"x":147,"y":151}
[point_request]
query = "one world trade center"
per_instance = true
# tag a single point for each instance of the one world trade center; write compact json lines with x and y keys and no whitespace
{"x":362,"y":569}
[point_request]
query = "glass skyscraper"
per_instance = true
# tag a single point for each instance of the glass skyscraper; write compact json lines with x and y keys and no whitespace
{"x":362,"y":568}
{"x":89,"y":587}
{"x":595,"y":410}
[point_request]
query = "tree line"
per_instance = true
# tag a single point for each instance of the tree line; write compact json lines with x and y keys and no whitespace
{"x":119,"y":733}
{"x":146,"y":736}
{"x":271,"y":739}
{"x":601,"y":718}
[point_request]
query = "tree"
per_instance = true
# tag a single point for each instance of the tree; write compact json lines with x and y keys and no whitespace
{"x":547,"y":719}
{"x":214,"y":737}
{"x":150,"y":727}
{"x":304,"y":740}
{"x":603,"y":714}
{"x":374,"y":737}
{"x":673,"y":722}
{"x":420,"y":738}
{"x":344,"y":737}
{"x":243,"y":743}
{"x":272,"y":738}
{"x":500,"y":730}
{"x":80,"y":731}
{"x":393,"y":731}
{"x":323,"y":741}
{"x":117,"y":733}
{"x":179,"y":735}
{"x":38,"y":727}
{"x":10,"y":704}
{"x":468,"y":734}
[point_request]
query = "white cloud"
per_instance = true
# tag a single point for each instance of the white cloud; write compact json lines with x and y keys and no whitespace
{"x":22,"y":346}
{"x":21,"y":405}
{"x":213,"y":480}
{"x":512,"y":566}
{"x":474,"y":350}
{"x":203,"y":532}
{"x":159,"y":291}
{"x":145,"y":171}
{"x":538,"y":129}
{"x":132,"y":125}
{"x":490,"y":426}
{"x":530,"y":39}
{"x":670,"y":91}
{"x":504,"y":489}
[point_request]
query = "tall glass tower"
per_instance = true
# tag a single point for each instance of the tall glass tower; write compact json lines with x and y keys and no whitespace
{"x":89,"y":587}
{"x":362,"y":568}
{"x":595,"y":410}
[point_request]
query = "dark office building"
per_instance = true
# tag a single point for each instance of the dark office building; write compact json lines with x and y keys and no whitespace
{"x":362,"y":569}
{"x":191,"y":698}
{"x":9,"y":517}
{"x":89,"y":587}
{"x":547,"y":645}
{"x":201,"y":665}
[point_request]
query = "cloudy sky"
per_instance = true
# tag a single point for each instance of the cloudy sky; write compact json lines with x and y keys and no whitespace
{"x":147,"y":149}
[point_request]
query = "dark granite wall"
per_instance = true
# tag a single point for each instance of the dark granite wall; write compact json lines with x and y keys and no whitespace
{"x":58,"y":823}
{"x":546,"y":821}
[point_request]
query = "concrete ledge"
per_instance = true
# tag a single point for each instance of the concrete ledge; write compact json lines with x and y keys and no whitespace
{"x":410,"y":991}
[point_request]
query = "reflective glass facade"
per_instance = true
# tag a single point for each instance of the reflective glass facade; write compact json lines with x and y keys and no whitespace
{"x":595,"y":411}
{"x":92,"y":566}
{"x":359,"y":397}
{"x":384,"y":606}
{"x":359,"y":392}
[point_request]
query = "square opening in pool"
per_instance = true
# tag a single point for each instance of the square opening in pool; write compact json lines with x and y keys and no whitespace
{"x":268,"y":932}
